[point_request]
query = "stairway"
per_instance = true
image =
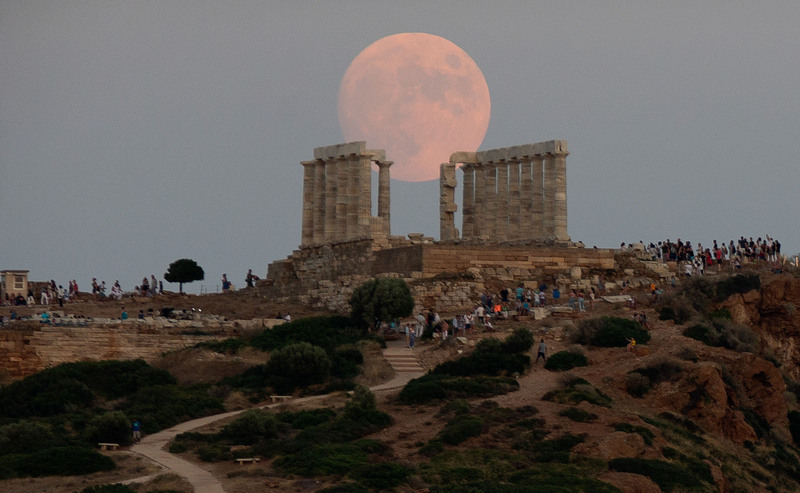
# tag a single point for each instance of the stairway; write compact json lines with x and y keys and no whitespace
{"x":402,"y":358}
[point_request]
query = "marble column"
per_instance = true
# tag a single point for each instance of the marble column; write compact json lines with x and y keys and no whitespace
{"x":549,"y":210}
{"x":331,"y":201}
{"x":307,"y":234}
{"x":479,"y":226}
{"x":491,"y":201}
{"x":526,"y":200}
{"x":352,"y":196}
{"x":537,"y":198}
{"x":384,"y":196}
{"x":560,"y":197}
{"x":447,"y":201}
{"x":342,"y":199}
{"x":468,"y":201}
{"x":513,"y":201}
{"x":502,"y":205}
{"x":363,"y":195}
{"x":318,"y":233}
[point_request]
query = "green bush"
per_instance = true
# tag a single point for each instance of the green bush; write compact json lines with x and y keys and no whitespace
{"x":578,"y":415}
{"x":736,"y":284}
{"x":557,"y":449}
{"x":461,"y":428}
{"x":325,"y":332}
{"x":577,"y":390}
{"x":162,"y":406}
{"x":57,"y":461}
{"x":490,"y":345}
{"x":380,"y":300}
{"x":520,"y":340}
{"x":480,"y":363}
{"x":666,"y":475}
{"x":565,"y":360}
{"x":214,"y":452}
{"x":298,"y":365}
{"x":794,"y":426}
{"x":662,"y":369}
{"x":637,"y":384}
{"x":609,"y":332}
{"x":301,"y":420}
{"x":24,"y":437}
{"x":226,"y":346}
{"x":346,"y":363}
{"x":381,"y":476}
{"x":677,"y":309}
{"x":646,"y":434}
{"x":251,"y":426}
{"x":725,"y":333}
{"x":345,"y":488}
{"x":178,"y":447}
{"x":432,"y":387}
{"x":321,"y":460}
{"x":111,"y":427}
{"x":108,"y":488}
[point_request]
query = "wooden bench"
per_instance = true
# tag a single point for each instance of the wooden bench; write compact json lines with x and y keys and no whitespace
{"x":108,"y":446}
{"x":243,"y":460}
{"x":276,"y":398}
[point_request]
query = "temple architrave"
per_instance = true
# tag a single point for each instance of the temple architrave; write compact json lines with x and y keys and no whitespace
{"x":514,"y":229}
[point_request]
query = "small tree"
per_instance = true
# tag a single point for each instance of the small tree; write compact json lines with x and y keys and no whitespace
{"x":380,"y":300}
{"x":184,"y":270}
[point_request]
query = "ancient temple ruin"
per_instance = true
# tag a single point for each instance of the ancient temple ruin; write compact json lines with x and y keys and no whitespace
{"x":337,"y":194}
{"x":511,"y":194}
{"x":514,"y":229}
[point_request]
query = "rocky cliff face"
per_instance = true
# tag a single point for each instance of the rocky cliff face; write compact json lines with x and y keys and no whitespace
{"x":773,"y":312}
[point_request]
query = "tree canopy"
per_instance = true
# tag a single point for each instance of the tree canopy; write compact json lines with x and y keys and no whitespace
{"x":184,"y":270}
{"x":381,"y":300}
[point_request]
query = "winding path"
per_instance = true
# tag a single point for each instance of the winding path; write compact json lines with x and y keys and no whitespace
{"x":153,"y":446}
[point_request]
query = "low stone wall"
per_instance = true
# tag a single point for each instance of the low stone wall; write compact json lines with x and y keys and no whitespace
{"x":28,"y":347}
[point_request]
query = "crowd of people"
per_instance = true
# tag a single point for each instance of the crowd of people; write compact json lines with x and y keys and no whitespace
{"x":53,"y":293}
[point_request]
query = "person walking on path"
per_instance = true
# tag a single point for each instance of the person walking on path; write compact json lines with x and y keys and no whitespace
{"x":136,"y":428}
{"x":542,"y":352}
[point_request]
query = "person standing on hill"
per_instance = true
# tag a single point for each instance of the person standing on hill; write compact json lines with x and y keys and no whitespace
{"x":542,"y":353}
{"x":136,"y":428}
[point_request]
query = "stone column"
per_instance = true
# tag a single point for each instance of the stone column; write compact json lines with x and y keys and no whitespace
{"x":537,"y":199}
{"x":479,"y":214}
{"x":490,"y":211}
{"x":307,"y":234}
{"x":383,"y":194}
{"x":513,"y":201}
{"x":447,"y":201}
{"x":353,"y":164}
{"x":363,"y":195}
{"x":331,"y":200}
{"x":560,"y":197}
{"x":549,"y":210}
{"x":342,"y":199}
{"x":468,"y":201}
{"x":502,"y":201}
{"x":318,"y":234}
{"x":526,"y":200}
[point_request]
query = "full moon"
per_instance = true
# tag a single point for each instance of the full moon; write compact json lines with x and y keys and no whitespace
{"x":419,"y":97}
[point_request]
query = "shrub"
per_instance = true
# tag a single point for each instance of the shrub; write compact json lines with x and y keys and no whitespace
{"x":162,"y":406}
{"x":577,"y":390}
{"x":321,"y":460}
{"x":725,"y":333}
{"x":637,"y":384}
{"x":578,"y":415}
{"x":301,"y":420}
{"x":112,"y":427}
{"x":24,"y":437}
{"x":433,"y":387}
{"x":346,"y":363}
{"x":461,"y":428}
{"x":557,"y":449}
{"x":345,"y":488}
{"x":794,"y":426}
{"x":521,"y":340}
{"x":362,"y":401}
{"x":251,"y":426}
{"x":645,"y":433}
{"x":298,"y":365}
{"x":177,"y":448}
{"x":666,"y":475}
{"x":489,"y":345}
{"x":226,"y":346}
{"x":609,"y":332}
{"x":481,"y":363}
{"x":381,"y":476}
{"x":380,"y":300}
{"x":59,"y":461}
{"x":214,"y":452}
{"x":677,"y":309}
{"x":661,"y":369}
{"x":701,"y":333}
{"x":736,"y":284}
{"x":325,"y":332}
{"x":108,"y":488}
{"x":565,"y":360}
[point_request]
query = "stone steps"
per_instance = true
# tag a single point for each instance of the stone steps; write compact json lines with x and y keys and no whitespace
{"x":402,"y":359}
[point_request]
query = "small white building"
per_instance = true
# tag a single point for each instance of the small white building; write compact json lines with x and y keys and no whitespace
{"x":13,"y":283}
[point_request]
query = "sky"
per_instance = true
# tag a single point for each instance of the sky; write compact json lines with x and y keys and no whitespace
{"x":133,"y":134}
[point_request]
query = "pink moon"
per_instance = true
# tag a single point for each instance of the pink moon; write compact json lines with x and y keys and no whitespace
{"x":418,"y":96}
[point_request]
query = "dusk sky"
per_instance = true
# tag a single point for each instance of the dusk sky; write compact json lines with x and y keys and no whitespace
{"x":133,"y":134}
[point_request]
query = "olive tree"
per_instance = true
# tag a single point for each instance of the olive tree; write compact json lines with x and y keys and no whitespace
{"x":184,"y":270}
{"x":380,"y":300}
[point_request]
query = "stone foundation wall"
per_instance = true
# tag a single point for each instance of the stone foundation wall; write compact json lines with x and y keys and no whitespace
{"x":446,"y":276}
